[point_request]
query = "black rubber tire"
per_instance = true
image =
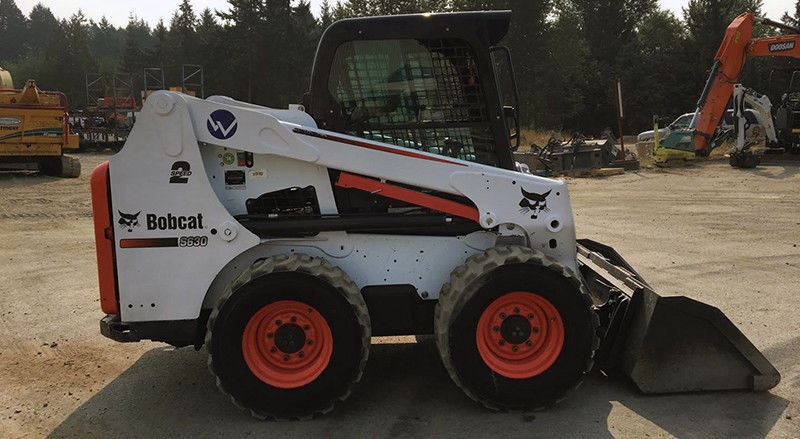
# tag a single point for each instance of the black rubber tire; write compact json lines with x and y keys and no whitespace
{"x":70,"y":167}
{"x":476,"y":284}
{"x":289,"y":277}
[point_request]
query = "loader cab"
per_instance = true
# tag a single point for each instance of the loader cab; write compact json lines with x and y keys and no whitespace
{"x":422,"y":81}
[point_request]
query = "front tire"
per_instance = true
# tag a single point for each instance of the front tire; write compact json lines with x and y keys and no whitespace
{"x":515,"y":329}
{"x":289,"y":338}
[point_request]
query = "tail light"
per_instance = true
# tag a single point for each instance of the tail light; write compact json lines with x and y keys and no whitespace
{"x":104,"y":239}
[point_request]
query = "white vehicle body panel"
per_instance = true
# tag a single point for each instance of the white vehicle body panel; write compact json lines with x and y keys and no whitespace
{"x":176,"y":131}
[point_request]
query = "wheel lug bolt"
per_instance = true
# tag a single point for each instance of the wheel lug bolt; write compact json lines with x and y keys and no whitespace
{"x":310,"y":341}
{"x":306,"y":327}
{"x":515,"y":348}
{"x":285,"y":358}
{"x":502,"y":342}
{"x":294,"y":319}
{"x":528,"y":343}
{"x":278,"y":322}
{"x":502,"y":315}
{"x":535,"y":330}
{"x":301,"y":354}
{"x":530,"y":316}
{"x":496,"y":328}
{"x":269,"y":335}
{"x":273,"y":349}
{"x":516,"y":310}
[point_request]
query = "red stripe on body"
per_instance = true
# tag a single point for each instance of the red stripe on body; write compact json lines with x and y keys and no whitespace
{"x":409,"y":196}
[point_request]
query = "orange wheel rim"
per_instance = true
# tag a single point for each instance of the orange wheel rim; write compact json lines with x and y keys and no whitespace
{"x":287,"y":344}
{"x":520,"y":335}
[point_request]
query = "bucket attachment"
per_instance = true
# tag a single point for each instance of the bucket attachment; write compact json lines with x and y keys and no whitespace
{"x":667,"y":344}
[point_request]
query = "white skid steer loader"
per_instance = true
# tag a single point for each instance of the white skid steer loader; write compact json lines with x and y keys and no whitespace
{"x":388,"y":204}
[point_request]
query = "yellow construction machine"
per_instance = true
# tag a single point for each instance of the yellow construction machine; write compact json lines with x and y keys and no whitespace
{"x":34,"y":130}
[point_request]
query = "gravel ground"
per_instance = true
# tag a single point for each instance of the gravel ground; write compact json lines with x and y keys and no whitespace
{"x":727,"y":237}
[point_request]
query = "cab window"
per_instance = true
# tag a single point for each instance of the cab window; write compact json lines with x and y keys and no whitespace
{"x":420,"y":94}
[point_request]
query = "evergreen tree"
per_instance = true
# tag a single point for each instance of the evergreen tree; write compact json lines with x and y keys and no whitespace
{"x":340,"y":11}
{"x":182,"y":34}
{"x":43,"y":27}
{"x":306,"y":31}
{"x":158,"y":54}
{"x":326,"y":14}
{"x":657,"y":64}
{"x":73,"y":57}
{"x":105,"y":40}
{"x":243,"y":21}
{"x":133,"y":55}
{"x":566,"y":52}
{"x":209,"y":54}
{"x":526,"y":40}
{"x":13,"y":31}
{"x":706,"y":21}
{"x":791,"y":19}
{"x":559,"y":76}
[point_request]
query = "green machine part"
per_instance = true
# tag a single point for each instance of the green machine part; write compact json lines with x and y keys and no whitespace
{"x":678,"y":146}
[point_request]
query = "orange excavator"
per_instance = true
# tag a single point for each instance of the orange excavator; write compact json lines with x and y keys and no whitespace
{"x":737,"y":45}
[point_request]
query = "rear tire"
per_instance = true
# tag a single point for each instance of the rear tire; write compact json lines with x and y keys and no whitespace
{"x":506,"y":363}
{"x":70,"y":167}
{"x":289,"y":338}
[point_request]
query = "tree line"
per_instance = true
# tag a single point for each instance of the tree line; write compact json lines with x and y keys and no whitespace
{"x":567,"y":53}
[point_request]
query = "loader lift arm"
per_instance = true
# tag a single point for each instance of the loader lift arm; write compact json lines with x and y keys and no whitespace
{"x":736,"y":46}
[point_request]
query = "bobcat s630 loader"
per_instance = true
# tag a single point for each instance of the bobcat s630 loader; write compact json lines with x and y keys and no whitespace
{"x":387,"y":204}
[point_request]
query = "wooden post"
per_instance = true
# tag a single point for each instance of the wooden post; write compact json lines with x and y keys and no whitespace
{"x":620,"y":113}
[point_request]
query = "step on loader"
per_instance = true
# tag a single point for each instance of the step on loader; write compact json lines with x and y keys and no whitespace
{"x":387,"y":204}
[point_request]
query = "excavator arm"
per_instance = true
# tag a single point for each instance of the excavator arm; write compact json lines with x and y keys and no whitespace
{"x":736,"y":46}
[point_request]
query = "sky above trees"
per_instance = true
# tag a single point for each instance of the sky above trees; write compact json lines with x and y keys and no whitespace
{"x":117,"y":11}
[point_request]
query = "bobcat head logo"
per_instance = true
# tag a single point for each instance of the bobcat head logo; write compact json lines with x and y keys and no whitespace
{"x":533,"y":203}
{"x":128,"y":221}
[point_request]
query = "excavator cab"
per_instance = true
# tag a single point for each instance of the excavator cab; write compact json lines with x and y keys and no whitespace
{"x":423,"y":81}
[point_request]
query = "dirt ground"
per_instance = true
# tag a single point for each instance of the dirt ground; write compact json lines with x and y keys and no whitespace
{"x":724,"y":236}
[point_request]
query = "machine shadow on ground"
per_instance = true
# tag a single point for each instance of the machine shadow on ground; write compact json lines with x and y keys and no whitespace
{"x":405,"y":392}
{"x":767,"y":170}
{"x":25,"y":178}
